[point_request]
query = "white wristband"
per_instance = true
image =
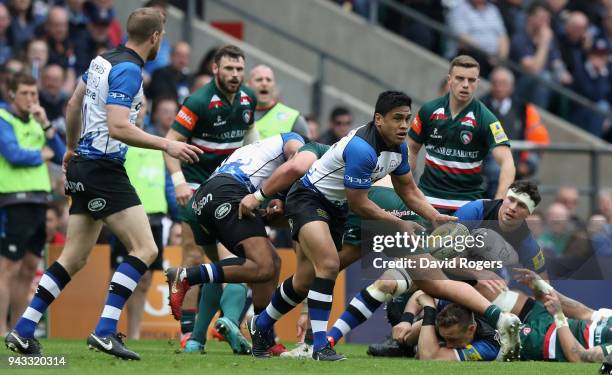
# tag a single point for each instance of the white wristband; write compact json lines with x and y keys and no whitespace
{"x":178,"y":178}
{"x":560,"y":320}
{"x":259,"y":196}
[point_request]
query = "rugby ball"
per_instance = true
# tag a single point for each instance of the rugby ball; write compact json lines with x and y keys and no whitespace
{"x":492,"y":246}
{"x":440,"y":242}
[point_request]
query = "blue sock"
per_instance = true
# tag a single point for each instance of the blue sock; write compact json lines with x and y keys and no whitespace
{"x":49,"y":287}
{"x":205,"y":273}
{"x":319,"y":307}
{"x":124,"y":281}
{"x":361,"y":308}
{"x":284,"y":299}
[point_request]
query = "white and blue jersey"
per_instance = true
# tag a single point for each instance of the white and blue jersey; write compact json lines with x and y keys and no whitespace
{"x":485,"y":214}
{"x":252,"y":164}
{"x":114,"y":77}
{"x":356,"y":162}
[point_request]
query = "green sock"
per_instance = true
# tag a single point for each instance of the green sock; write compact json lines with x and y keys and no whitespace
{"x":232,"y":301}
{"x":209,"y":304}
{"x":492,"y":314}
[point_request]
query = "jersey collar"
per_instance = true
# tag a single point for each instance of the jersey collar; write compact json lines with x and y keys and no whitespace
{"x":132,"y":52}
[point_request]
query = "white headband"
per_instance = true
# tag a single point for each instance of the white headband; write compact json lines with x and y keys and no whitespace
{"x":523,"y":197}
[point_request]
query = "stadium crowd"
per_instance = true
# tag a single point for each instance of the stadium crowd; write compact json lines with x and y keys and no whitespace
{"x":568,"y":42}
{"x":54,"y":42}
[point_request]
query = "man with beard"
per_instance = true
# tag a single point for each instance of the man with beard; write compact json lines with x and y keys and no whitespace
{"x":218,"y":118}
{"x":100,"y":121}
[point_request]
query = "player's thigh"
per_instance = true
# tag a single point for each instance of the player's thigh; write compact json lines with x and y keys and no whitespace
{"x":81,"y":237}
{"x":349,"y":255}
{"x":304,"y":271}
{"x":318,"y":245}
{"x":131,"y":226}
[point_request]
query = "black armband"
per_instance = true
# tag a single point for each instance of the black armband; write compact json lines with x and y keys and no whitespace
{"x":429,"y":316}
{"x":407,"y":317}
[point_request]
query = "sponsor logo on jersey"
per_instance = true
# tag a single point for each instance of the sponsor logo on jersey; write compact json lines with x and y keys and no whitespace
{"x":469,"y":120}
{"x":438,"y":114}
{"x":220,"y":121}
{"x":282,"y":116}
{"x":244,"y":98}
{"x":498,"y":132}
{"x":526,"y":330}
{"x":186,"y":118}
{"x":417,"y":125}
{"x":215,"y":102}
{"x":119,"y":96}
{"x":222,"y":211}
{"x":466,"y":136}
{"x":246,"y":115}
{"x":435,"y":134}
{"x":96,"y":204}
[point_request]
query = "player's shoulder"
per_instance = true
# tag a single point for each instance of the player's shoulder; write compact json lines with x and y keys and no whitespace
{"x":248,"y":91}
{"x":121,"y":55}
{"x":316,"y":148}
{"x":484,"y":113}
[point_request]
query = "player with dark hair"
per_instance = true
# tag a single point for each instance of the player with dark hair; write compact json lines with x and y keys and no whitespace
{"x":99,"y":125}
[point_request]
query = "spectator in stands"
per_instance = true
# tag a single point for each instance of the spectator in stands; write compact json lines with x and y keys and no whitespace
{"x":95,"y":37}
{"x":340,"y":124}
{"x":37,"y":56}
{"x":163,"y":56}
{"x":521,"y":122}
{"x":23,"y":21}
{"x":575,"y":40}
{"x":204,"y":73}
{"x":535,"y":222}
{"x":536,"y":50}
{"x":271,"y":116}
{"x":163,"y":114}
{"x":173,"y":79}
{"x":314,"y":128}
{"x":558,"y":14}
{"x":606,"y":25}
{"x":410,"y":28}
{"x":77,"y":18}
{"x":604,"y":204}
{"x":52,"y":98}
{"x":61,"y":48}
{"x":555,"y":238}
{"x":103,"y":9}
{"x":361,"y":7}
{"x":568,"y":196}
{"x":514,"y":15}
{"x":7,"y":40}
{"x":481,"y":32}
{"x":601,"y":235}
{"x":54,"y":234}
{"x":592,"y":80}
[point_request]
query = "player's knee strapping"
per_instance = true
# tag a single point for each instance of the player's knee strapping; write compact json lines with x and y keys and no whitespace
{"x":284,"y":299}
{"x":211,"y":272}
{"x":360,"y":309}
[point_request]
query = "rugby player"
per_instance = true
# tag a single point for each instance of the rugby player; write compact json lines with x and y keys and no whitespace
{"x":99,"y":125}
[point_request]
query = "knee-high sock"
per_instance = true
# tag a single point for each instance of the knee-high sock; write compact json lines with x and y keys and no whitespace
{"x":320,"y":299}
{"x":209,"y":304}
{"x":284,"y":299}
{"x":204,"y":274}
{"x":51,"y":284}
{"x":232,"y":302}
{"x":361,"y":308}
{"x":122,"y":285}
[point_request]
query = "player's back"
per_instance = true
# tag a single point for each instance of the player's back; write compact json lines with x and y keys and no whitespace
{"x":114,"y":77}
{"x":254,"y":163}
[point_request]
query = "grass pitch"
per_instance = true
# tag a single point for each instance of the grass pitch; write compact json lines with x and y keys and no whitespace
{"x":162,"y":357}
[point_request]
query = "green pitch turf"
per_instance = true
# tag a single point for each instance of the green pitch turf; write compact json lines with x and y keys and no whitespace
{"x":161,"y":357}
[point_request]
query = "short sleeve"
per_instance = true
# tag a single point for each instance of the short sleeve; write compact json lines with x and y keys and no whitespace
{"x":360,"y":159}
{"x":316,"y":148}
{"x":187,"y":117}
{"x":291,"y":135}
{"x":124,"y":82}
{"x":417,"y":128}
{"x":479,"y":350}
{"x":471,"y":214}
{"x":404,"y":166}
{"x":531,"y":255}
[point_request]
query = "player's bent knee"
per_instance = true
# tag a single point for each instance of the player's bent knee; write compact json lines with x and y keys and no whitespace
{"x":328,"y":267}
{"x":386,"y":286}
